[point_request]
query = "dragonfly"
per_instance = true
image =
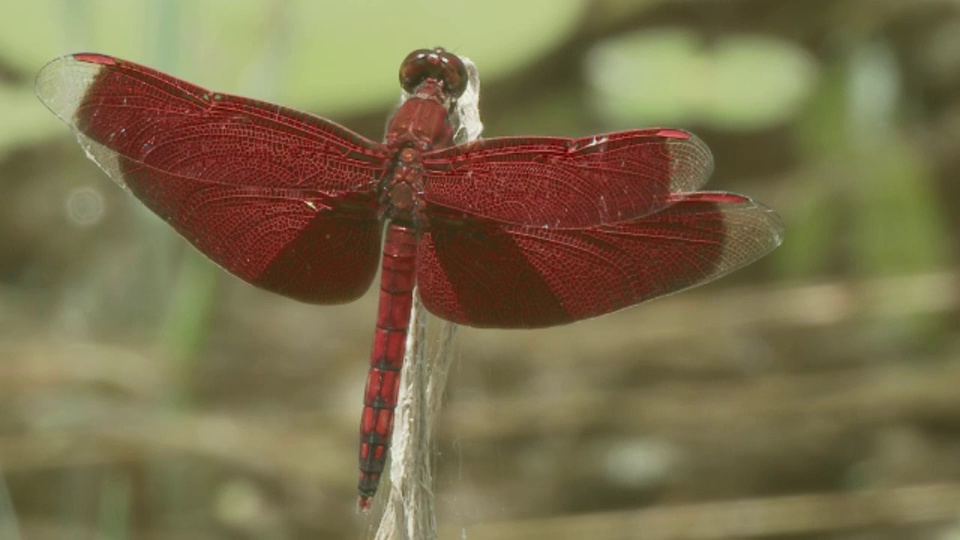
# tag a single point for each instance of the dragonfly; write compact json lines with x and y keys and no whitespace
{"x":506,"y":232}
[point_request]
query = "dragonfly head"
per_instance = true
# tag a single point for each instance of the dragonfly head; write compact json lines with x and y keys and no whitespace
{"x":437,"y":65}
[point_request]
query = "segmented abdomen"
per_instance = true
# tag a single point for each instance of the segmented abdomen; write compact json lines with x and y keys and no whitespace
{"x":389,"y":345}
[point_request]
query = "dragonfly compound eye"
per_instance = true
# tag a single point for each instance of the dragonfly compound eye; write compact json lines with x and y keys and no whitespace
{"x":436,"y":64}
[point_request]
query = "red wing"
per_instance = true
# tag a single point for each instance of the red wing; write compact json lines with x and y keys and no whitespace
{"x":485,"y":274}
{"x":567,"y":183}
{"x":281,"y":198}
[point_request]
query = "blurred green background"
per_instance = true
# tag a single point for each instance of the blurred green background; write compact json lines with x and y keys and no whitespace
{"x":146,"y":394}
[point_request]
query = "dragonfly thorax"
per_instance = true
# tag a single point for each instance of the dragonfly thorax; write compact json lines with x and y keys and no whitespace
{"x":423,"y":121}
{"x":421,"y":124}
{"x":406,"y":184}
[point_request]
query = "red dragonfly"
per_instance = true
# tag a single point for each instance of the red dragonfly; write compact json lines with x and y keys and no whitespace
{"x":513,"y":232}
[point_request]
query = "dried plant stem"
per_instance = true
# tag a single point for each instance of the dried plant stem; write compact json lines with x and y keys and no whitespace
{"x":409,"y":510}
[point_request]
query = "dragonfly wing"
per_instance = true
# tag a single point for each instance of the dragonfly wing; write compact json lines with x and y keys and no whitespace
{"x":567,"y":183}
{"x":282,"y":199}
{"x":486,"y":274}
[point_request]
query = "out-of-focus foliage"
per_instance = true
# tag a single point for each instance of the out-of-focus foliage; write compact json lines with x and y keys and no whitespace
{"x":146,"y":394}
{"x":669,"y":77}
